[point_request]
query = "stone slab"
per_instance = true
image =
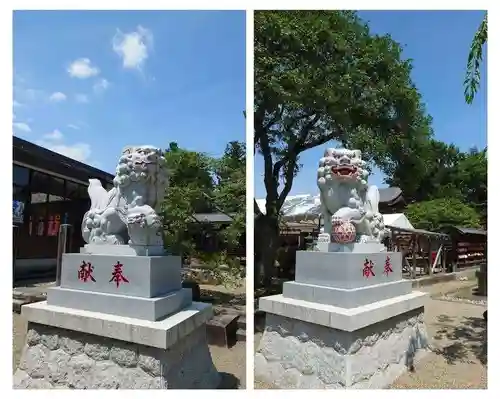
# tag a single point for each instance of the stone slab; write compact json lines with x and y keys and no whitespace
{"x":345,"y":270}
{"x":151,"y":309}
{"x":342,"y":318}
{"x":296,"y":354}
{"x":482,"y":282}
{"x":357,"y":247}
{"x":147,"y":276}
{"x":221,"y":329}
{"x":123,"y":250}
{"x":346,"y":298}
{"x":57,"y":358}
{"x":159,"y":334}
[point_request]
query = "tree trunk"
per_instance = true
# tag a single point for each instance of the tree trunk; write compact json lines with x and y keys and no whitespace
{"x":266,"y":246}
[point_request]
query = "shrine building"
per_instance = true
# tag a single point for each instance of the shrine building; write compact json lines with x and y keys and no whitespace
{"x":48,"y":189}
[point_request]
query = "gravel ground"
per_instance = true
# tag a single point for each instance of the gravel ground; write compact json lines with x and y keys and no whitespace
{"x":231,"y":363}
{"x":458,"y":358}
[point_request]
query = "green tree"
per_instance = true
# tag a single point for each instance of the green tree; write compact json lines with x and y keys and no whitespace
{"x":190,"y":183}
{"x":472,"y":179}
{"x":322,"y":76}
{"x":440,"y":170}
{"x":473,"y":75}
{"x":436,"y":214}
{"x":201,"y":184}
{"x":229,"y":194}
{"x":427,"y":172}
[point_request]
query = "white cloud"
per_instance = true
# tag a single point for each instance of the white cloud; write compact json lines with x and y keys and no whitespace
{"x":57,"y":96}
{"x":24,"y":127}
{"x":133,"y":47}
{"x":72,"y":126}
{"x":101,"y":85}
{"x":82,"y":98}
{"x":82,"y":68}
{"x":54,"y":141}
{"x":56,"y":135}
{"x":78,"y":151}
{"x":23,"y":95}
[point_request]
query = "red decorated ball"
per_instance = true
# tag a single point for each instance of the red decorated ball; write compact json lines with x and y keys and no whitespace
{"x":344,"y":233}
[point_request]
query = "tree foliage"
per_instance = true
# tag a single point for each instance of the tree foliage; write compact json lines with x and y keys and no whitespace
{"x":473,"y":75}
{"x":436,"y":214}
{"x":472,"y":179}
{"x":322,"y":76}
{"x":203,"y":184}
{"x":445,"y":172}
{"x":190,"y":184}
{"x":430,"y":172}
{"x":229,"y":194}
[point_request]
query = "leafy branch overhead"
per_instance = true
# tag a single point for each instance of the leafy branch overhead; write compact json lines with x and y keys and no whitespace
{"x":473,"y":75}
{"x":321,"y":76}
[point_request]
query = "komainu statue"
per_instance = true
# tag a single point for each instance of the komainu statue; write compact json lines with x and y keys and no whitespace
{"x":128,"y":213}
{"x":348,"y":205}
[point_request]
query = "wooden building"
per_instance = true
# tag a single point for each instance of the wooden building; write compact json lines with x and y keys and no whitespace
{"x":206,"y":228}
{"x":48,"y":189}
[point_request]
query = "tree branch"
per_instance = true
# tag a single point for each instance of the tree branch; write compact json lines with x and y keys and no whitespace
{"x":290,"y":159}
{"x":288,"y":184}
{"x":269,"y":181}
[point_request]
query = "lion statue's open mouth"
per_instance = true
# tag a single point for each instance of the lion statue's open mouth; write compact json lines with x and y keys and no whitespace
{"x":346,"y":198}
{"x":344,"y":170}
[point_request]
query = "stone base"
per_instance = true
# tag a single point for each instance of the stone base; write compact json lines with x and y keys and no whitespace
{"x":151,"y":309}
{"x":297,"y":354}
{"x":482,"y":282}
{"x":354,"y":247}
{"x":121,"y":250}
{"x":341,"y":318}
{"x":68,"y":348}
{"x":347,"y":270}
{"x":141,"y":276}
{"x":312,"y":345}
{"x":346,"y":298}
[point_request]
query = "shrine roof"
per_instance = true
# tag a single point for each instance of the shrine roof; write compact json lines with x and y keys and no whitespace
{"x":213,"y":217}
{"x":30,"y":154}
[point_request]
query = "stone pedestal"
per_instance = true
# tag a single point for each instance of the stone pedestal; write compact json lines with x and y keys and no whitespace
{"x":149,"y":288}
{"x":117,"y":321}
{"x":348,"y":321}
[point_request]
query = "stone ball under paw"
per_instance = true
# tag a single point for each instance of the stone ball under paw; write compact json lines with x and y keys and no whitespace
{"x":344,"y":233}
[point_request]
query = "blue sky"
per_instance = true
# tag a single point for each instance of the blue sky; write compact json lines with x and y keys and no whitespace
{"x":88,"y":83}
{"x":438,"y":42}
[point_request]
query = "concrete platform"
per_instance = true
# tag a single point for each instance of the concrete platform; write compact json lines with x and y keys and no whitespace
{"x":345,"y":298}
{"x":151,"y":309}
{"x":295,"y":354}
{"x":308,"y":345}
{"x":342,"y":318}
{"x":345,"y":270}
{"x":67,"y":348}
{"x":146,"y":276}
{"x":159,"y":334}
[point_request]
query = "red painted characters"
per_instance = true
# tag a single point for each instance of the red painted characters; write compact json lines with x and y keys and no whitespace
{"x":387,"y":266}
{"x":85,"y":272}
{"x":117,"y":274}
{"x":368,"y":268}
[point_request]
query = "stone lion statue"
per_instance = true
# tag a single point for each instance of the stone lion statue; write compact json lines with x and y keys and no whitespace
{"x":347,"y":202}
{"x":128,"y":213}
